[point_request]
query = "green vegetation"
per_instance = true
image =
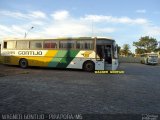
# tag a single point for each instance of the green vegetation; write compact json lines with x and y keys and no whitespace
{"x":125,"y":50}
{"x":145,"y":45}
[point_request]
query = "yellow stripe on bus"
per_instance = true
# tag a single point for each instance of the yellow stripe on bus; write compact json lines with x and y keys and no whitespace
{"x":44,"y":60}
{"x":35,"y":60}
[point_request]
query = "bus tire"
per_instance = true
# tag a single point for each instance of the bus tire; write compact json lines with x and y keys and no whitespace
{"x":23,"y":63}
{"x":89,"y":66}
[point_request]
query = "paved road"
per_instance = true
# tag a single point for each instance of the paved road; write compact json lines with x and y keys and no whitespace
{"x":38,"y":90}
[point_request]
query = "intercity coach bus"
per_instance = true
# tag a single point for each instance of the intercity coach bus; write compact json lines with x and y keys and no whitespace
{"x":85,"y":53}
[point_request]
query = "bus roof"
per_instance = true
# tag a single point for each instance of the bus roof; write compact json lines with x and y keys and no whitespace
{"x":59,"y":38}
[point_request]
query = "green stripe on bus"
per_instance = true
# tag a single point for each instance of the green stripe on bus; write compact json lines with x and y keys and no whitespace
{"x":63,"y":58}
{"x":65,"y":61}
{"x":57,"y":58}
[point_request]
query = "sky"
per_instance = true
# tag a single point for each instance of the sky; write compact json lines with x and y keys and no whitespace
{"x":125,"y":21}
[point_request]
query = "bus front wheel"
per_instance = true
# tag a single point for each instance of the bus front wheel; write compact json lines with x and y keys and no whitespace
{"x":23,"y":63}
{"x":89,"y":66}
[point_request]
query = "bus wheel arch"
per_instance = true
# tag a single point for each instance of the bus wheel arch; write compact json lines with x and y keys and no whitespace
{"x":23,"y":63}
{"x":89,"y":66}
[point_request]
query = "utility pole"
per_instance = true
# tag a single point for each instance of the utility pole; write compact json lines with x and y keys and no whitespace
{"x":26,"y":33}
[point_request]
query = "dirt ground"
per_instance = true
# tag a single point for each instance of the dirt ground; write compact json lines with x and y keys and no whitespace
{"x":41,"y":90}
{"x":6,"y":70}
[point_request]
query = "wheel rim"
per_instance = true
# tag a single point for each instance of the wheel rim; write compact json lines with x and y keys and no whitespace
{"x":89,"y":67}
{"x":23,"y":63}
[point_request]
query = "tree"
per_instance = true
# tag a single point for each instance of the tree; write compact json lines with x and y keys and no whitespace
{"x":125,"y":50}
{"x":145,"y":44}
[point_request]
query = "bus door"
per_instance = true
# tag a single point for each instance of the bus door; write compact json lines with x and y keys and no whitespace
{"x":108,"y":57}
{"x":105,"y":53}
{"x":108,"y":54}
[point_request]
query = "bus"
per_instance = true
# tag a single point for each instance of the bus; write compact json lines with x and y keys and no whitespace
{"x":87,"y":53}
{"x":149,"y":58}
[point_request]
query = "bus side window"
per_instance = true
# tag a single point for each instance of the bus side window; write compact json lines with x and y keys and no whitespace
{"x":89,"y":45}
{"x":79,"y":44}
{"x":35,"y":44}
{"x":9,"y":44}
{"x":85,"y":44}
{"x":22,"y":44}
{"x":50,"y":44}
{"x":67,"y":44}
{"x":5,"y":45}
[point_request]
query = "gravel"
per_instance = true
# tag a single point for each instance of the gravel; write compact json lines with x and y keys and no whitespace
{"x":41,"y":90}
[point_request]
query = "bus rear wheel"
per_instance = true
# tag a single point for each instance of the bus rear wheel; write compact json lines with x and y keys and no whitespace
{"x":23,"y":63}
{"x":89,"y":66}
